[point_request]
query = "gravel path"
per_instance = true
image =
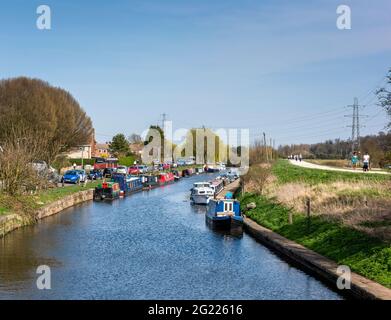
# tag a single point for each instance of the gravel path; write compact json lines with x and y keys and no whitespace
{"x":305,"y":164}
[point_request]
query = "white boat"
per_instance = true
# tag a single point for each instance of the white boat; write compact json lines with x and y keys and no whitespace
{"x":201,"y":185}
{"x":202,"y":195}
{"x":217,"y":186}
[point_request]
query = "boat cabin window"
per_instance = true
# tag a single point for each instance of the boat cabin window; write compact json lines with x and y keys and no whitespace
{"x":228,"y":206}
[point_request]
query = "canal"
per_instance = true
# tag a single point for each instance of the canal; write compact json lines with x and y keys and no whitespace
{"x":151,"y":245}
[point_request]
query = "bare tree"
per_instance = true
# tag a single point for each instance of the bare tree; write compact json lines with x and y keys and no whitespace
{"x":16,"y":157}
{"x":135,"y":138}
{"x":51,"y":115}
{"x":257,"y":178}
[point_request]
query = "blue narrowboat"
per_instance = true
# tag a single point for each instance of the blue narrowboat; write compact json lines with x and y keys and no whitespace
{"x":224,"y":213}
{"x":127,"y":184}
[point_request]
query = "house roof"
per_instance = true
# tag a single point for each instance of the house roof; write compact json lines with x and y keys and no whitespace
{"x":102,"y":146}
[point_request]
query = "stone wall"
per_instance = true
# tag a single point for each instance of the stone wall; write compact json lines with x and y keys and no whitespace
{"x":11,"y":222}
{"x":64,"y":203}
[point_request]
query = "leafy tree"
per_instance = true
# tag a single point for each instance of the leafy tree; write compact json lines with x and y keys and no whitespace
{"x":119,"y":145}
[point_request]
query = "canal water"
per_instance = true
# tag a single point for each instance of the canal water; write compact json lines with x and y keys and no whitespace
{"x":151,"y":245}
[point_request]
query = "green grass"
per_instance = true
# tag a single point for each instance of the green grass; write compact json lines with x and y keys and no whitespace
{"x":127,"y":161}
{"x":3,"y":210}
{"x":370,"y":193}
{"x":286,"y":173}
{"x":54,"y":194}
{"x":365,"y":255}
{"x":79,"y":161}
{"x":375,"y":224}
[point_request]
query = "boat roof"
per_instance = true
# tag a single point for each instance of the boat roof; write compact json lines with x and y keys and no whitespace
{"x":134,"y":178}
{"x":216,"y":182}
{"x":203,"y":189}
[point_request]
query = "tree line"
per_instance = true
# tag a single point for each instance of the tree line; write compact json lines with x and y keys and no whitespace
{"x":378,"y":146}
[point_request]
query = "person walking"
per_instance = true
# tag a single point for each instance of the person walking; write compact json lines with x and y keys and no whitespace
{"x":300,"y":157}
{"x":354,"y":160}
{"x":366,"y":159}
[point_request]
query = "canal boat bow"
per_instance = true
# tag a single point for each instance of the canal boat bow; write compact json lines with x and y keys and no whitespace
{"x":224,"y":213}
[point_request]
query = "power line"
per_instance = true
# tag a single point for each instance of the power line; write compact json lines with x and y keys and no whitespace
{"x":356,"y":126}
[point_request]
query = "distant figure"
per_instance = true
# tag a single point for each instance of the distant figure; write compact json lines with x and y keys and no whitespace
{"x":295,"y":157}
{"x":300,"y":157}
{"x":74,"y":166}
{"x":291,"y":156}
{"x":366,"y":159}
{"x":354,"y":160}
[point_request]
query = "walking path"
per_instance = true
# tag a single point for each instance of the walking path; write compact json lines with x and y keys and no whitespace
{"x":305,"y":164}
{"x":232,"y":187}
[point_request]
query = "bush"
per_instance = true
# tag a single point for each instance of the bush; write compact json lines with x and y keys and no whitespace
{"x":78,"y":161}
{"x":127,"y":161}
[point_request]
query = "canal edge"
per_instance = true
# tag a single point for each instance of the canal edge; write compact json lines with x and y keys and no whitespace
{"x":15,"y":221}
{"x":324,"y":268}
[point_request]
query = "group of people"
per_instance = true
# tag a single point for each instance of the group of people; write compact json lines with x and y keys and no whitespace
{"x":365,"y":161}
{"x":296,"y":157}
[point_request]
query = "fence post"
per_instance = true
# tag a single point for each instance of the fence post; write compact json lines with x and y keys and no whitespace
{"x":308,"y":208}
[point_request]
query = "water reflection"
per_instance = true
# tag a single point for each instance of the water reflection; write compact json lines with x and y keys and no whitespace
{"x":234,"y":231}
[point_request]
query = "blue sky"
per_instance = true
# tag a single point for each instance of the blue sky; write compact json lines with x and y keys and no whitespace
{"x":276,"y":66}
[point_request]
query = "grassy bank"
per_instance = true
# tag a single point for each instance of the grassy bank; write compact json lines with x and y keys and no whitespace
{"x":364,"y":254}
{"x":286,"y":172}
{"x":350,"y":220}
{"x":26,"y":204}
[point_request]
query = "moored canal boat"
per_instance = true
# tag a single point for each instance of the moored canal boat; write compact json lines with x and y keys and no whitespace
{"x":217,"y":185}
{"x":128,"y":184}
{"x":201,"y":195}
{"x":166,"y":178}
{"x":224,"y":213}
{"x":203,"y":184}
{"x":107,"y":191}
{"x":149,"y":181}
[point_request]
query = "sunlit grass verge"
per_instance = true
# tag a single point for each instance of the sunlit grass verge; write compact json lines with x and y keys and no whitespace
{"x":366,"y":255}
{"x":26,"y":204}
{"x":286,"y":172}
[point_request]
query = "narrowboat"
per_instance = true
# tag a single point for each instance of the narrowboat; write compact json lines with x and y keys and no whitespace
{"x":199,"y":170}
{"x":128,"y":184}
{"x":149,"y":181}
{"x":217,"y":186}
{"x":201,"y":195}
{"x":187,"y":172}
{"x":211,"y":169}
{"x":165,"y":178}
{"x":177,"y":175}
{"x":224,"y":213}
{"x":107,"y":191}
